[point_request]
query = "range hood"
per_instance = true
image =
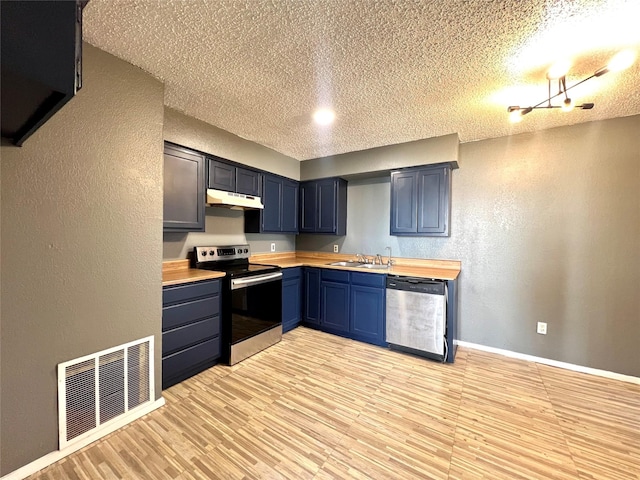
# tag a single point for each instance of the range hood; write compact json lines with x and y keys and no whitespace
{"x":234,"y":201}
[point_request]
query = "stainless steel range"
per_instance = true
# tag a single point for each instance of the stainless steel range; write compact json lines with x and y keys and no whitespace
{"x":251,"y":317}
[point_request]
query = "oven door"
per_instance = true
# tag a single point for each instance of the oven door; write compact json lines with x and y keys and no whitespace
{"x":256,"y":311}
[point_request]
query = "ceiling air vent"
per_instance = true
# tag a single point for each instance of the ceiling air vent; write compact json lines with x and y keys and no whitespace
{"x":98,"y":390}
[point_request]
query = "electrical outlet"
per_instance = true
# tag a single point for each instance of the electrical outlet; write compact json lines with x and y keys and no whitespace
{"x":542,"y":328}
{"x":335,"y":249}
{"x":273,"y":247}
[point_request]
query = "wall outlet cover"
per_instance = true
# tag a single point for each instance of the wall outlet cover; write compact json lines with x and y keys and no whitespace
{"x":273,"y":247}
{"x":542,"y":328}
{"x":335,"y":249}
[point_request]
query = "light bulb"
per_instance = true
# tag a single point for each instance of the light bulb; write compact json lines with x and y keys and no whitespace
{"x":515,"y":116}
{"x":324,"y":116}
{"x":567,"y":105}
{"x":559,"y":69}
{"x":621,"y":60}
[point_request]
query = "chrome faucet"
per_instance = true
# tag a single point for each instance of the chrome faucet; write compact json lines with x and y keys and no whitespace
{"x":389,"y":261}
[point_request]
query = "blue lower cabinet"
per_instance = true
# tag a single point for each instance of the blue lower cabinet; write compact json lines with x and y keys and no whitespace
{"x":334,"y":308}
{"x":190,"y":330}
{"x":346,"y":303}
{"x":291,"y":298}
{"x":311,"y":315}
{"x":367,"y":314}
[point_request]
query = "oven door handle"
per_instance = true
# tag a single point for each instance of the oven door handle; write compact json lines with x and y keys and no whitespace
{"x":237,"y":283}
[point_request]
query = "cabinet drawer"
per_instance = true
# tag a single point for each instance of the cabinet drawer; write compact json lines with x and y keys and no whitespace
{"x":174,"y":365}
{"x":291,"y":273}
{"x":335,"y":275}
{"x":184,"y":313}
{"x":190,"y":334}
{"x":189,"y":291}
{"x":368,"y":279}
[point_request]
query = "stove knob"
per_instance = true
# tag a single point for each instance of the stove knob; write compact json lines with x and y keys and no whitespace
{"x":246,"y":250}
{"x":203,"y":253}
{"x":212,"y":253}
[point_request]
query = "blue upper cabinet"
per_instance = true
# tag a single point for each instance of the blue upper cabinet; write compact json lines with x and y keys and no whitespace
{"x":280,"y":213}
{"x":247,"y":182}
{"x":184,"y":197}
{"x":272,"y":201}
{"x":231,"y":178}
{"x":433,"y":201}
{"x":421,"y":201}
{"x":290,"y":206}
{"x":308,"y":207}
{"x":323,"y":206}
{"x":222,"y":176}
{"x":404,"y":202}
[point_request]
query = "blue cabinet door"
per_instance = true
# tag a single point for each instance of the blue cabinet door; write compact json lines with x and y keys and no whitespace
{"x":291,"y":298}
{"x":247,"y":182}
{"x":289,"y":208}
{"x":184,"y":196}
{"x":323,"y":206}
{"x":334,"y":309}
{"x":326,"y":202}
{"x":367,"y":314}
{"x":404,"y":197}
{"x":312,"y":296}
{"x":222,"y":176}
{"x":308,"y":207}
{"x":433,"y":201}
{"x":272,"y":200}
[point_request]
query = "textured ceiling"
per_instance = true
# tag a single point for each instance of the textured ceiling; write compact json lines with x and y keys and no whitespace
{"x":393,"y":70}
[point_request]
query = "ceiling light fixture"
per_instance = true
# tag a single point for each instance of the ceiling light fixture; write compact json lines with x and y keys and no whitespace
{"x":620,"y":61}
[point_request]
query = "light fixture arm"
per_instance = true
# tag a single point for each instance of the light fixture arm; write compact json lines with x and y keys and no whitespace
{"x":562,"y":90}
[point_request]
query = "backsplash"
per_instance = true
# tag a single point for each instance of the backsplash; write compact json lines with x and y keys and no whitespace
{"x":223,"y":227}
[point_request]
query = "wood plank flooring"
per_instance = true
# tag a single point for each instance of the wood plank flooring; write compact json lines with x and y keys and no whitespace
{"x":317,"y":406}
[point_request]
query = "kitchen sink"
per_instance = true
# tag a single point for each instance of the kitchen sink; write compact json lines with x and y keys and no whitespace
{"x":372,"y":266}
{"x":345,"y":264}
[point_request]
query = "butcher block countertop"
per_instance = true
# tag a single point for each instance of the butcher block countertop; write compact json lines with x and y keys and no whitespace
{"x":175,"y":272}
{"x":410,"y":267}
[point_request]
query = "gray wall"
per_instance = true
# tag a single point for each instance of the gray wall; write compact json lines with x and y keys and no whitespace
{"x":382,"y":159}
{"x":547,"y":226}
{"x":189,"y":132}
{"x":81,"y":244}
{"x":222,"y":226}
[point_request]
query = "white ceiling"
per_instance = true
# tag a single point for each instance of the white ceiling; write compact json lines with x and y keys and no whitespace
{"x":393,"y":70}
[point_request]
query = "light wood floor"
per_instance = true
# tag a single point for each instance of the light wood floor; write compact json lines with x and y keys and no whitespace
{"x":317,"y":406}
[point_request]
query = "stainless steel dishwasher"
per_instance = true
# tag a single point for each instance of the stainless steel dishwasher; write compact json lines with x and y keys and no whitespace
{"x":416,"y":316}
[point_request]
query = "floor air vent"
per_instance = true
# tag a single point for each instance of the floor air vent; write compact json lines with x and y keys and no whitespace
{"x":98,"y":390}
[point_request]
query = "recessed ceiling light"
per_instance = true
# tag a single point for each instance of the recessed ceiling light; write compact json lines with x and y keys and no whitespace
{"x":324,"y":116}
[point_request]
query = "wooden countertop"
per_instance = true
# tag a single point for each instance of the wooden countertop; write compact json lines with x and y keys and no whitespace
{"x":175,"y":272}
{"x":411,"y":267}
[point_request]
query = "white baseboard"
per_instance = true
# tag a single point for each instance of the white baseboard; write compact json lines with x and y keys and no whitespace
{"x":553,"y":363}
{"x":53,"y":457}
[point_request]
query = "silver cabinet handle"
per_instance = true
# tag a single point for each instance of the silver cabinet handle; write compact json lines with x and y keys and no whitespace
{"x":237,"y":283}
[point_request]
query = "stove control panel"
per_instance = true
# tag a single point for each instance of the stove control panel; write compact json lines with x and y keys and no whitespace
{"x":216,"y":254}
